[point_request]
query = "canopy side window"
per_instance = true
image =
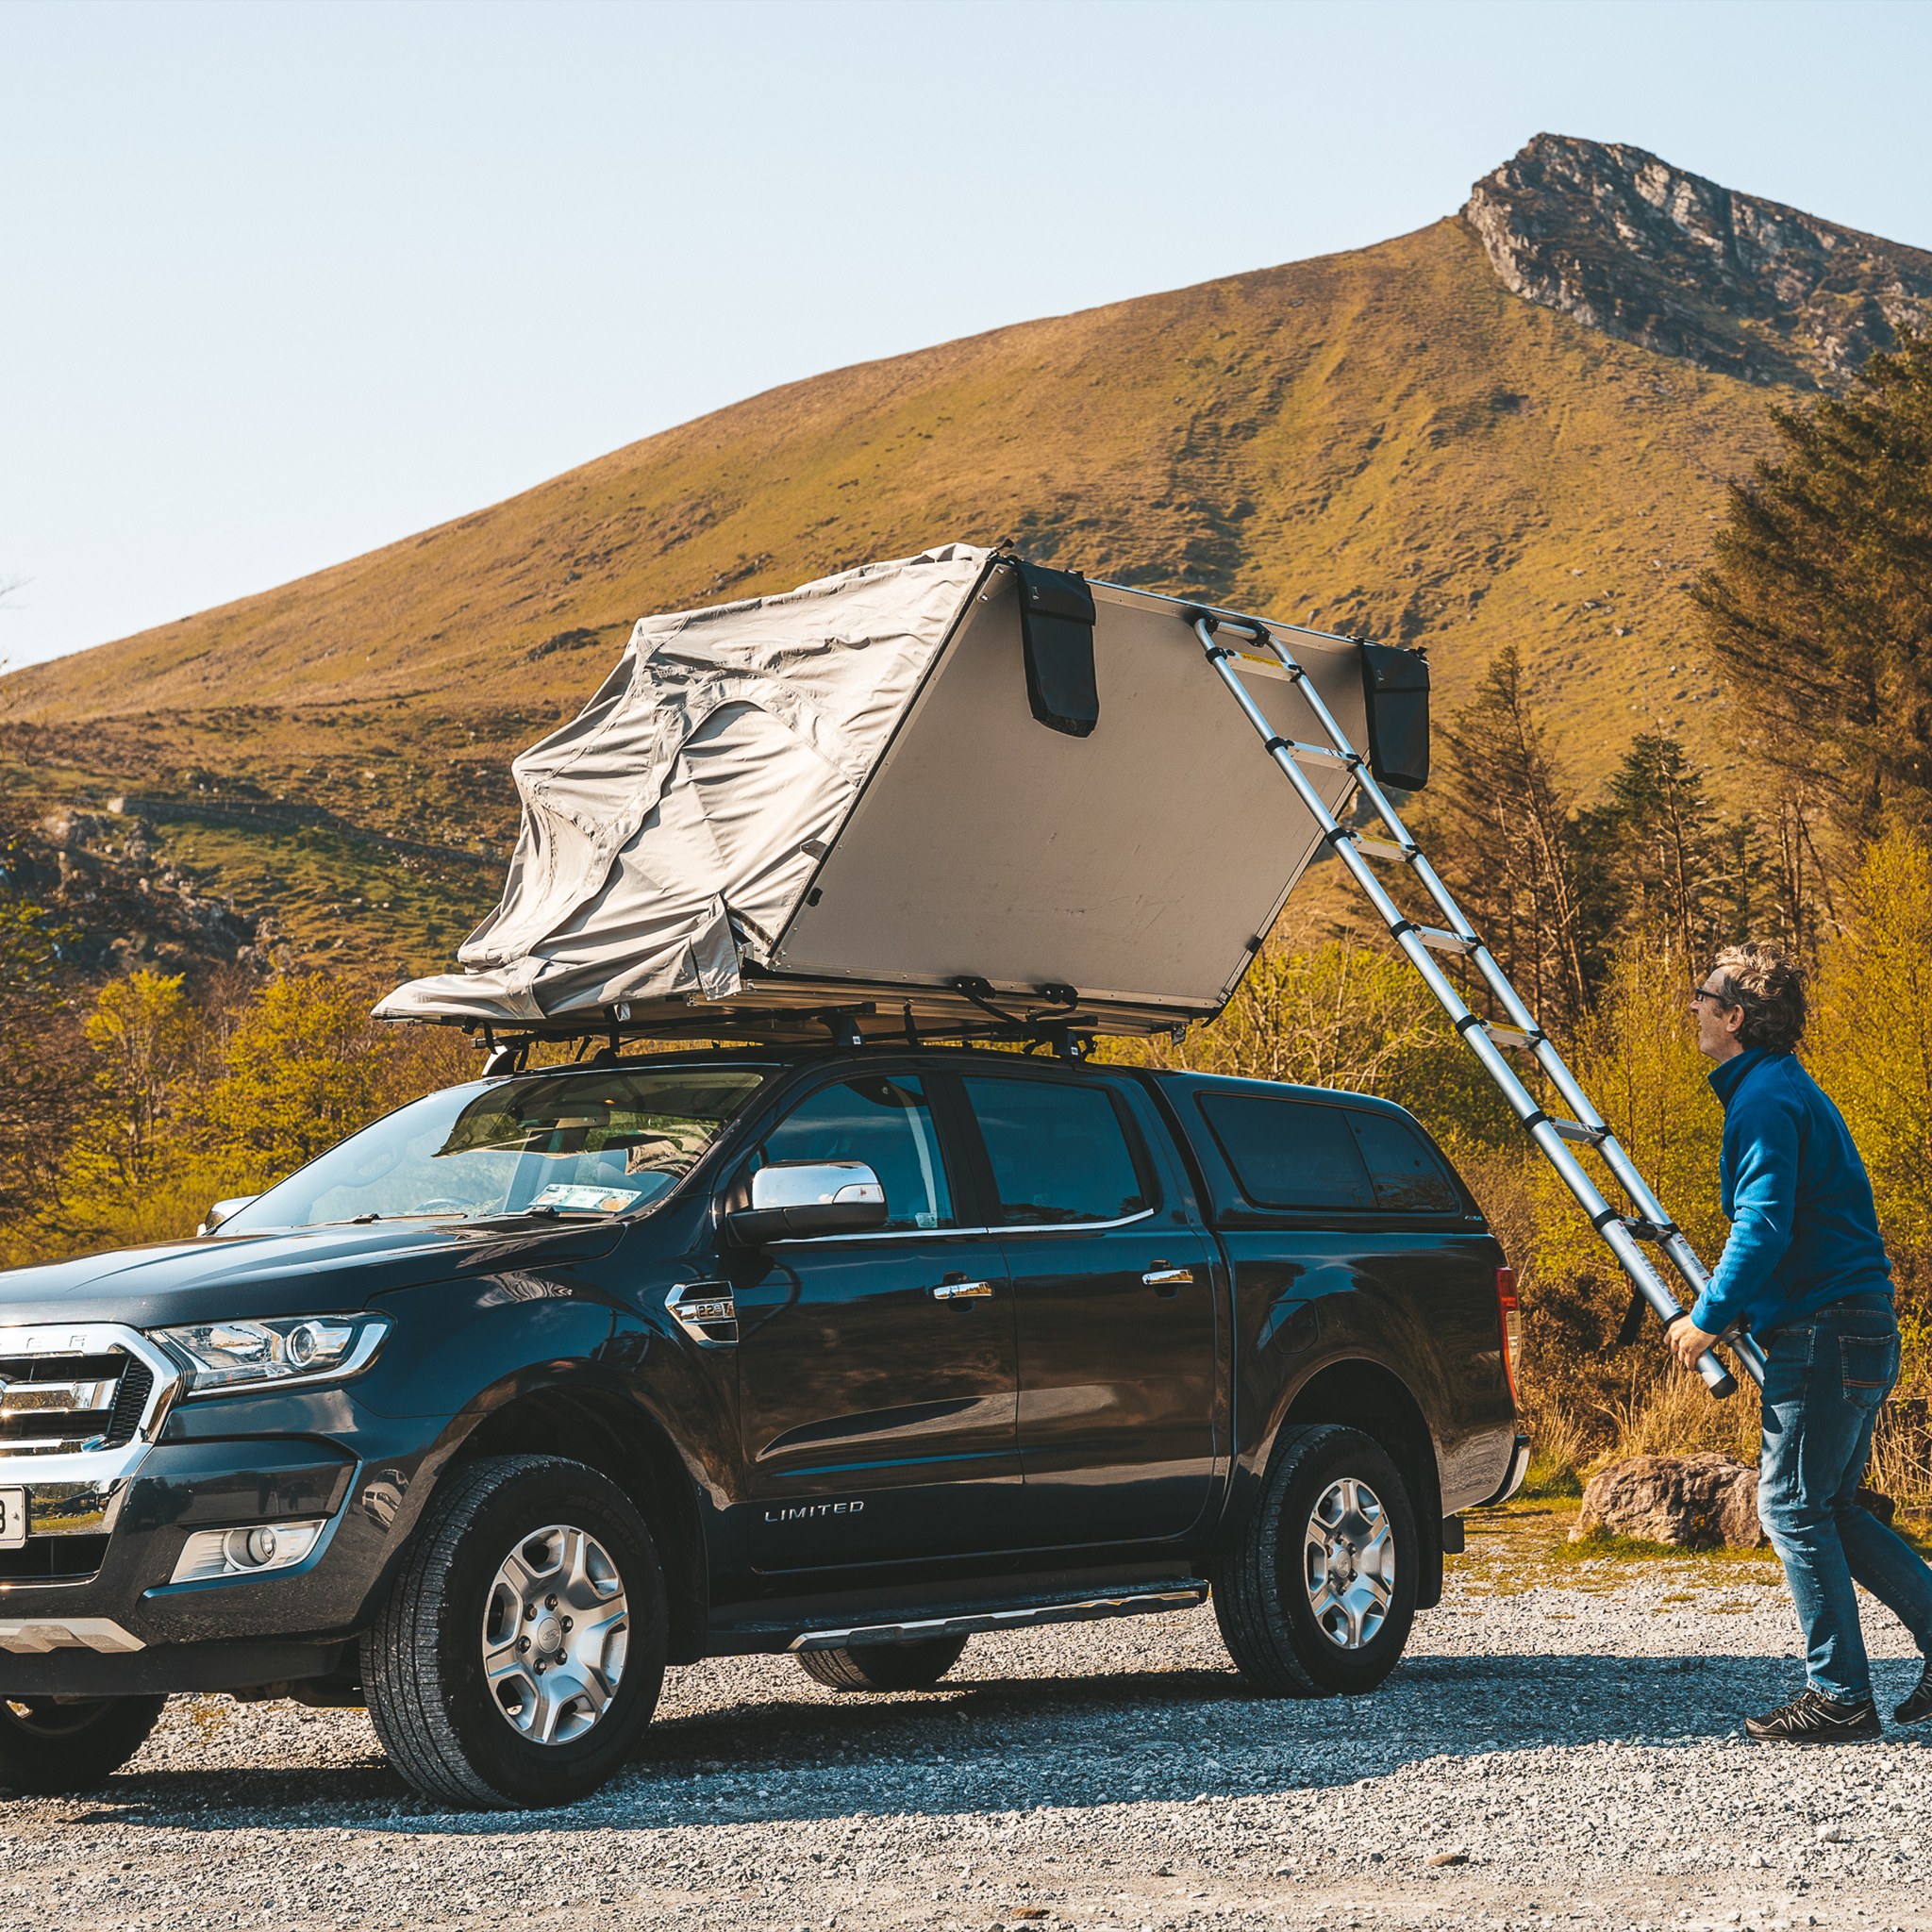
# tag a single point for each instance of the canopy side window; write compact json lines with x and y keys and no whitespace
{"x":1408,"y":1178}
{"x":1292,"y":1154}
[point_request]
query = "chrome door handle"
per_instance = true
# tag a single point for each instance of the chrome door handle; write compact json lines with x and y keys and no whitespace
{"x":957,"y":1291}
{"x":1170,"y":1278}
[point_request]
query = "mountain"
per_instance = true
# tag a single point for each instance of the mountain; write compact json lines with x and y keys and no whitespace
{"x":1511,"y":426}
{"x":1626,"y":243}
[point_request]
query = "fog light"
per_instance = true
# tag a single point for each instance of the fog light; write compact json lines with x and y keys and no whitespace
{"x":249,"y":1552}
{"x":251,"y":1549}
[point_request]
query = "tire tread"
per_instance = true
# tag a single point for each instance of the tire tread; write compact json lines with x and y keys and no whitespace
{"x":400,"y":1653}
{"x":1260,"y":1600}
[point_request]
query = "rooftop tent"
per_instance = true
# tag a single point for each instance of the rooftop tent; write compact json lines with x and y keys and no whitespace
{"x":930,"y":792}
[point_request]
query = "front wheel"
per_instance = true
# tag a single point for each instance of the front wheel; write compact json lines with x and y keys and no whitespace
{"x":884,"y":1666}
{"x":70,"y":1745}
{"x":1319,"y":1595}
{"x":520,"y":1655}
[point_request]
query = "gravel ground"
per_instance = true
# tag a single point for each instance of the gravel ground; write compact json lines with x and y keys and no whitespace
{"x":1561,"y":1743}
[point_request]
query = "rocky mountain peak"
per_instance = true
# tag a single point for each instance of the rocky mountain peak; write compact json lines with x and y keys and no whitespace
{"x":1627,"y":243}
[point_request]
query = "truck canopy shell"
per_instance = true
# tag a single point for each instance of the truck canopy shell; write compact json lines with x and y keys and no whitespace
{"x":848,"y":799}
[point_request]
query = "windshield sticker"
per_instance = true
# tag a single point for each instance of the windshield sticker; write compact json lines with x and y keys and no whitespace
{"x":600,"y":1200}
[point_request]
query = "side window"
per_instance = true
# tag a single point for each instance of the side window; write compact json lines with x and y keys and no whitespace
{"x":1408,"y":1179}
{"x":1060,"y":1153}
{"x":888,"y":1125}
{"x":1289,"y":1153}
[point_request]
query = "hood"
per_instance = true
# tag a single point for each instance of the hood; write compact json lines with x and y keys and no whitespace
{"x":297,"y":1271}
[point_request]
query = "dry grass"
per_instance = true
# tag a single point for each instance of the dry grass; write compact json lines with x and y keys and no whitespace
{"x":1678,"y":1416}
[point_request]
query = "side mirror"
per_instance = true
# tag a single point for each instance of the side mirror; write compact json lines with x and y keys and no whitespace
{"x":222,"y":1210}
{"x":793,"y":1198}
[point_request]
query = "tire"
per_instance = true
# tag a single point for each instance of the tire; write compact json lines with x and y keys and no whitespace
{"x":884,"y":1666}
{"x":1296,"y":1622}
{"x":45,"y":1746}
{"x":506,"y":1550}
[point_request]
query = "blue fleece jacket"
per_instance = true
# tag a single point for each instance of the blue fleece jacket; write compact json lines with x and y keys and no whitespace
{"x":1804,"y":1231}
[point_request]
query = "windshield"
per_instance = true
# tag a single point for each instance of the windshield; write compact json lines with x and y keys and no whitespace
{"x":603,"y":1142}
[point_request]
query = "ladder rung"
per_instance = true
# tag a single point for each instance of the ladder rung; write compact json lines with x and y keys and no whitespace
{"x":1382,"y":848}
{"x":1511,"y":1037}
{"x":1446,"y":941}
{"x":1575,"y":1130}
{"x":1324,"y":752}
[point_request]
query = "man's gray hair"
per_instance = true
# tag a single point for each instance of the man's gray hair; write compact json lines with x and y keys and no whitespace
{"x":1762,"y":978}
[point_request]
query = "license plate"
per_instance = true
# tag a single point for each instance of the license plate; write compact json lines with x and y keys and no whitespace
{"x":12,"y":1518}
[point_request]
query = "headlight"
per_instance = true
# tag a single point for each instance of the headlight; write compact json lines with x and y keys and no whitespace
{"x":285,"y":1348}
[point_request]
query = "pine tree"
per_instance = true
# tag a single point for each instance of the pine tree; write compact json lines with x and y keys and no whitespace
{"x":1500,"y":826}
{"x":1682,"y":878}
{"x":1818,"y":603}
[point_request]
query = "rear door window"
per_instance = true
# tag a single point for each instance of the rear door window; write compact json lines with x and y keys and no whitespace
{"x":1408,"y":1178}
{"x":1289,"y":1153}
{"x":1060,"y":1153}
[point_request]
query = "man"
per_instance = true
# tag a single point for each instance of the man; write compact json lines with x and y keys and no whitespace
{"x":1805,"y":1271}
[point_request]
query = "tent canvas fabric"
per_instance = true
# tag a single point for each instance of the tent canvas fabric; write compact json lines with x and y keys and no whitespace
{"x":680,"y":817}
{"x":843,"y":806}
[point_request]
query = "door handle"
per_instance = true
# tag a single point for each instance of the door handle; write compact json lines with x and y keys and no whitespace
{"x":1166,"y":1281}
{"x":960,"y":1291}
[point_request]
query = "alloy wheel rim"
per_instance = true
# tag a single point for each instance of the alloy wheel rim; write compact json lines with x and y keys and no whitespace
{"x":556,"y":1630}
{"x":1348,"y":1563}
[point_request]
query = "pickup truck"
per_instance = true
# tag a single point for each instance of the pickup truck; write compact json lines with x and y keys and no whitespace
{"x":554,"y":1378}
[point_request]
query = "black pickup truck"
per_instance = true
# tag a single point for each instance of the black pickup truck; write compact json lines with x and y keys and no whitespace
{"x":552,"y":1379}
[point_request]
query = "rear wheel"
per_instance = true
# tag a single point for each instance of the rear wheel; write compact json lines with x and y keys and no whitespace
{"x":884,"y":1666}
{"x":1319,"y":1595}
{"x":45,"y":1746}
{"x":521,"y":1654}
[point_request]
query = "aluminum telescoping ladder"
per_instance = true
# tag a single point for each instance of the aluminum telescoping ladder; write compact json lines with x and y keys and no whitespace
{"x":1553,"y":1136}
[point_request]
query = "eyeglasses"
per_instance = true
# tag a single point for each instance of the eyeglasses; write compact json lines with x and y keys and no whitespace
{"x":1703,"y":993}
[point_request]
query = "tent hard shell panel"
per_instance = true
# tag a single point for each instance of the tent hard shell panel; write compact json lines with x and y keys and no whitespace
{"x":844,"y":800}
{"x":1134,"y":865}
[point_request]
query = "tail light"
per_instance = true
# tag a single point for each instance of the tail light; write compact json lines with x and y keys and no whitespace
{"x":1509,"y":1313}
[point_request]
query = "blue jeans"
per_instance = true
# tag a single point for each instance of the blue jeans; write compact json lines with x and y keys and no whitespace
{"x":1826,"y":1377}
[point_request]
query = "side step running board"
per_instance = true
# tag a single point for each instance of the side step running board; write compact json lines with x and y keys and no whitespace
{"x":1183,"y":1593}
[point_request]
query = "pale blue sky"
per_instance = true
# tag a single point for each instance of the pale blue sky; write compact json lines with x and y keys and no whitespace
{"x":286,"y":281}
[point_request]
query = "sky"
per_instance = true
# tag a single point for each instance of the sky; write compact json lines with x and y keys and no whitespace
{"x":286,"y":281}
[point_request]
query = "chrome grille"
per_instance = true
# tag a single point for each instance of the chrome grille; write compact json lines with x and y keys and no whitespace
{"x":59,"y":1397}
{"x":137,"y":1385}
{"x":64,"y":1394}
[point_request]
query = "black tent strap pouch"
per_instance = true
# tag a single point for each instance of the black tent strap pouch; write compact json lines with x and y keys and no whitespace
{"x":1395,"y":685}
{"x":1056,"y":629}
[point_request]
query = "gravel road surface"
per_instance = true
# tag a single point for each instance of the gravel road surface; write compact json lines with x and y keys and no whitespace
{"x":1560,"y":1745}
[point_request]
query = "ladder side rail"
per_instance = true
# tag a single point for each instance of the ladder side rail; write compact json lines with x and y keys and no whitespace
{"x":1542,"y":1129}
{"x":1683,"y":1256}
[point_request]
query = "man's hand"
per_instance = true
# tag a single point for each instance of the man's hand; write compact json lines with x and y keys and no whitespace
{"x":1688,"y":1341}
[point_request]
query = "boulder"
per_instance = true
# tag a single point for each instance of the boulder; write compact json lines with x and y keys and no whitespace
{"x":1691,"y":1502}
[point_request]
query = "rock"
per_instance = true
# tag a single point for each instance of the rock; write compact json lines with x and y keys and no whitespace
{"x":1627,"y":243}
{"x":1690,"y":1502}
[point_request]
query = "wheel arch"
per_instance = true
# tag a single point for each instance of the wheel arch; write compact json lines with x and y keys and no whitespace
{"x":614,"y":1436}
{"x":1359,"y":1394}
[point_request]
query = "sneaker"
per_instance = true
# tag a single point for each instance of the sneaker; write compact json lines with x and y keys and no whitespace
{"x":1812,"y":1718}
{"x":1918,"y":1707}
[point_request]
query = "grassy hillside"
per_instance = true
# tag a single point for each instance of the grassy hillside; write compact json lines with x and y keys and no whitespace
{"x":1383,"y":440}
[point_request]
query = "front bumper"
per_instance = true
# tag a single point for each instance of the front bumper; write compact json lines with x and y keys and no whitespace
{"x":88,"y":1606}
